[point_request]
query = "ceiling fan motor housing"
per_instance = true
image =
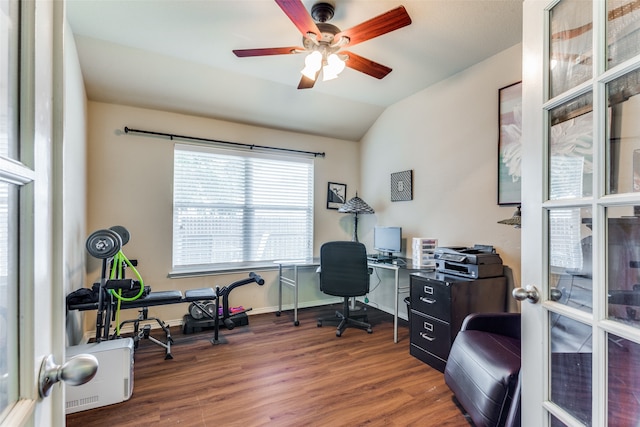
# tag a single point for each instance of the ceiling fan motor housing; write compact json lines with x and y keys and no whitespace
{"x":322,"y":12}
{"x":327,"y":35}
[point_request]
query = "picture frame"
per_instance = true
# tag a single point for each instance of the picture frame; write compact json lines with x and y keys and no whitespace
{"x":336,"y":195}
{"x":510,"y":144}
{"x":402,"y":186}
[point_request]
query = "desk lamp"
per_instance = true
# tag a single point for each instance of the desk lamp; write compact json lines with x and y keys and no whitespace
{"x":514,"y":220}
{"x":356,"y":206}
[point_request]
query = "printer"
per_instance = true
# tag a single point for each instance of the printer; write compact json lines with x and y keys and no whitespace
{"x":477,"y":262}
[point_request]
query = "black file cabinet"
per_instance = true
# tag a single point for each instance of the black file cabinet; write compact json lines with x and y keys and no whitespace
{"x":439,"y":304}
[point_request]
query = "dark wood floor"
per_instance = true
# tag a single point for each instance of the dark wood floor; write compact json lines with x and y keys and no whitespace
{"x":273,"y":373}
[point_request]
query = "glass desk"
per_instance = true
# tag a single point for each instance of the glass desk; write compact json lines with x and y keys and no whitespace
{"x":288,"y":275}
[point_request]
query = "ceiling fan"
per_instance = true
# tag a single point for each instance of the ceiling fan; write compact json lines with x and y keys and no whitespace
{"x":324,"y":42}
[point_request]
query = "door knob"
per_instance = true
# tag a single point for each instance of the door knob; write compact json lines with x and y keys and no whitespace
{"x":530,"y":293}
{"x":77,"y":371}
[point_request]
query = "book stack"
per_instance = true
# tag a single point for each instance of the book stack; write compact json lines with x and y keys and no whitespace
{"x":423,"y":252}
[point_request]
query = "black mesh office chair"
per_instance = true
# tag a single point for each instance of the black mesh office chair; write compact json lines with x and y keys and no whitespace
{"x":344,"y":273}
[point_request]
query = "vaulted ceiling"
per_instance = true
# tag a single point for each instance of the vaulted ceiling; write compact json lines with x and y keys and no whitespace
{"x":176,"y":55}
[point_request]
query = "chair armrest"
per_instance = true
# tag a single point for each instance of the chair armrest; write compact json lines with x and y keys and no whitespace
{"x":498,"y":323}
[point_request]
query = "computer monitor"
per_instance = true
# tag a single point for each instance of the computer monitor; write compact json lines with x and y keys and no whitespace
{"x":387,"y":240}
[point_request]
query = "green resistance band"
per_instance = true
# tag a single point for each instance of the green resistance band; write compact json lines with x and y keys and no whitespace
{"x":116,"y":269}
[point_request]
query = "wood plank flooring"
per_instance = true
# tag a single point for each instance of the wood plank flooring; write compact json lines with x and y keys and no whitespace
{"x":271,"y":373}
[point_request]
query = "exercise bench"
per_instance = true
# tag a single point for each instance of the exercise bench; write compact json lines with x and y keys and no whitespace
{"x":106,"y":305}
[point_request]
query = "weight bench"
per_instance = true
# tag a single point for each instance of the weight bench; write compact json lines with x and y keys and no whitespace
{"x":194,"y":296}
{"x":106,"y":304}
{"x":106,"y":244}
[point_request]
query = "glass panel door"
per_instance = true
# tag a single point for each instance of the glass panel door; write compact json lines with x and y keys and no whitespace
{"x":581,"y":212}
{"x":9,"y":80}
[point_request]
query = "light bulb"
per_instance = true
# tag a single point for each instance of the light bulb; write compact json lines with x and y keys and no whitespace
{"x":312,"y":63}
{"x":334,"y":67}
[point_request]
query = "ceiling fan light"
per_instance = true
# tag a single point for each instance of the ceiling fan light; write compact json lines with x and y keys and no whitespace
{"x":327,"y":74}
{"x":335,"y":63}
{"x":334,"y":66}
{"x":312,"y":64}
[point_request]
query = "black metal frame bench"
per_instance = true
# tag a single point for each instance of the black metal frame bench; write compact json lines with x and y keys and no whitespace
{"x":106,"y":307}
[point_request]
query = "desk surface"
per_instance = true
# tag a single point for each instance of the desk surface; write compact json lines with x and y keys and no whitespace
{"x":292,"y":262}
{"x":399,"y":263}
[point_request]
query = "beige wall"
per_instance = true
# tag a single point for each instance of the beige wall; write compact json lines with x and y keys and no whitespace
{"x":130,"y":184}
{"x":447,"y":134}
{"x":71,"y":170}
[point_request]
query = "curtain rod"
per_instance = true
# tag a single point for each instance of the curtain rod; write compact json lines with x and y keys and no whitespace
{"x":171,"y":136}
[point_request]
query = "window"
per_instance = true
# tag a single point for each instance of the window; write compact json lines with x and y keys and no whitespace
{"x":233,"y":208}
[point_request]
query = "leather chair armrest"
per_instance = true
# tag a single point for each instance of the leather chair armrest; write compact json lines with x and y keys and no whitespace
{"x":507,"y":324}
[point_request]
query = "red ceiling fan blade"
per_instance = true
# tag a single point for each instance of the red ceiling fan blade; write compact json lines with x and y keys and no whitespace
{"x":242,"y":53}
{"x":365,"y":65}
{"x":382,"y":24}
{"x":306,"y":82}
{"x":297,"y":13}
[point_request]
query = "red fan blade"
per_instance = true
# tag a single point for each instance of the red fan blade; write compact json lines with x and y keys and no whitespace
{"x":297,"y":13}
{"x":365,"y":65}
{"x":242,"y":53}
{"x":306,"y":82}
{"x":382,"y":24}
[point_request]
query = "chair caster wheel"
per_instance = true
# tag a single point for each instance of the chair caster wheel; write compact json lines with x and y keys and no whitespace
{"x":369,"y":331}
{"x":338,"y":333}
{"x":319,"y":324}
{"x":296,"y":323}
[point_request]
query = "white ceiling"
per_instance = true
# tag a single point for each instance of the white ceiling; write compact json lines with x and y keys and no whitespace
{"x":176,"y":55}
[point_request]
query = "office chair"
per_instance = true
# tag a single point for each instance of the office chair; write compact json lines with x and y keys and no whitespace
{"x":344,"y":273}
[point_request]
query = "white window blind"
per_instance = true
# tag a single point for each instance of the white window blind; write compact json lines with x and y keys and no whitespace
{"x":234,"y":208}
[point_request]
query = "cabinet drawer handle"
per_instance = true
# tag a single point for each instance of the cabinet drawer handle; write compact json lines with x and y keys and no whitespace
{"x":427,"y":337}
{"x":428,"y":290}
{"x":427,"y":326}
{"x":427,"y":300}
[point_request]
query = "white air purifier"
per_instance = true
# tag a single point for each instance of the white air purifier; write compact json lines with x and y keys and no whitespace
{"x":113,"y":382}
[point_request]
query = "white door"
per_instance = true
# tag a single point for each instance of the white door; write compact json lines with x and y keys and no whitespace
{"x":28,"y":332}
{"x":581,"y":213}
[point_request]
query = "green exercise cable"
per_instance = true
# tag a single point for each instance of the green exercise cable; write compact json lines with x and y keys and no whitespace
{"x":116,"y":272}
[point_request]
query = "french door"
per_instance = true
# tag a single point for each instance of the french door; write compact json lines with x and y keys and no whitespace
{"x":581,"y":213}
{"x":28,"y":330}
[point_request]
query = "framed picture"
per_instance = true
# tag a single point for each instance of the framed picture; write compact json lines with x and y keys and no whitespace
{"x":509,"y":144}
{"x":402,"y":186}
{"x":336,"y":195}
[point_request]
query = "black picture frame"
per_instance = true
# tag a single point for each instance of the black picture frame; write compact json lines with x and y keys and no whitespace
{"x":509,"y":144}
{"x":336,"y":195}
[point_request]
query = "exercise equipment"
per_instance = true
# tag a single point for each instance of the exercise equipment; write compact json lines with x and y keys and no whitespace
{"x":115,"y":292}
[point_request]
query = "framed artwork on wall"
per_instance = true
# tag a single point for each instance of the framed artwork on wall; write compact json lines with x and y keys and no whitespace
{"x":336,"y":195}
{"x":402,"y":186}
{"x":509,"y":144}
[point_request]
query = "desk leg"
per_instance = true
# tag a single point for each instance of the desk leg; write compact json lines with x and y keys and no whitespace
{"x":395,"y":308}
{"x":295,"y":296}
{"x":279,"y":290}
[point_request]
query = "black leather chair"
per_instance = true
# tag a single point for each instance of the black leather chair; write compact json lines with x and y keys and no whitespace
{"x":344,"y":272}
{"x":483,"y":369}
